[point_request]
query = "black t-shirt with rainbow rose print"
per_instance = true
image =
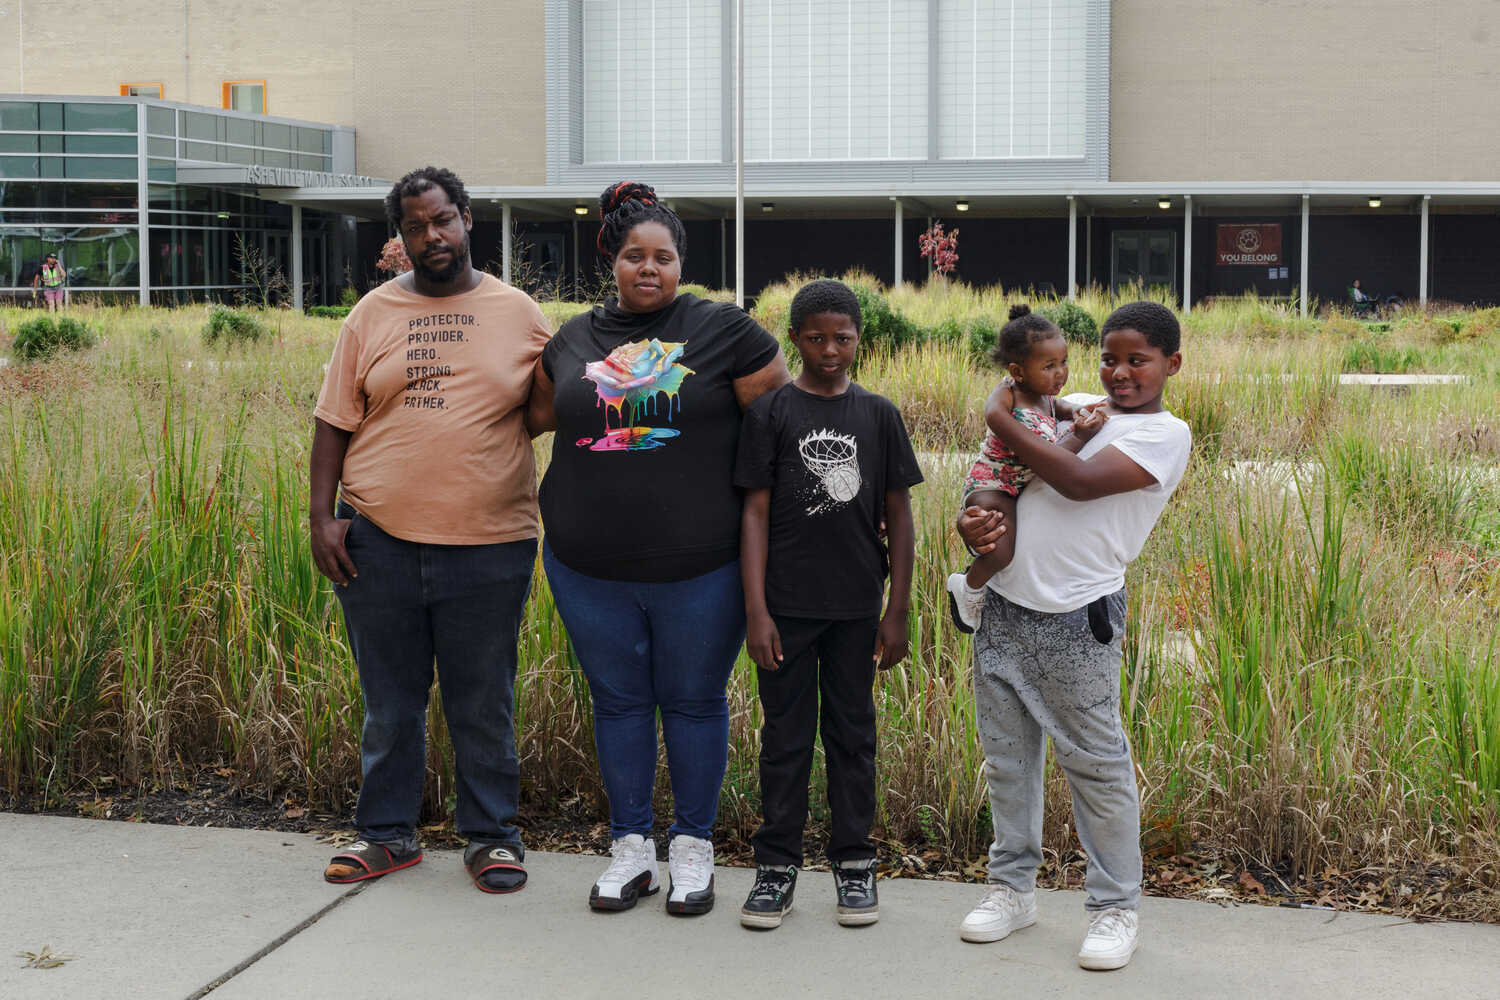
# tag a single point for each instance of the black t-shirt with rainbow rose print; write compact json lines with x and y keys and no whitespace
{"x":829,"y":462}
{"x":641,"y":481}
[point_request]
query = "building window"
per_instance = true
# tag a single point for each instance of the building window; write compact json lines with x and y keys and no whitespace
{"x":645,"y":99}
{"x":245,"y":95}
{"x":836,"y":80}
{"x":1011,"y":78}
{"x":140,"y":90}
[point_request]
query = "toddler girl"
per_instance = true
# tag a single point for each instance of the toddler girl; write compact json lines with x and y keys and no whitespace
{"x":1035,"y":355}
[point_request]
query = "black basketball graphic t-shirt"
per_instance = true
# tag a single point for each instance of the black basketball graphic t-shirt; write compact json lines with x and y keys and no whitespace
{"x":828,"y":462}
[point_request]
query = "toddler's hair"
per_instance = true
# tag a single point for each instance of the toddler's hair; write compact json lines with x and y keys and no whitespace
{"x":419,"y":180}
{"x":624,"y":206}
{"x":1016,"y":337}
{"x":824,"y":296}
{"x":1156,"y":322}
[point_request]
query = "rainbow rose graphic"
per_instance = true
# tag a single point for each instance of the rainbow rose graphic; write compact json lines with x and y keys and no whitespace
{"x":634,"y":375}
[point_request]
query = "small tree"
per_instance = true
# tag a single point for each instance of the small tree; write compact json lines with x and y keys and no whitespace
{"x":262,"y":282}
{"x":393,"y":259}
{"x":940,"y":248}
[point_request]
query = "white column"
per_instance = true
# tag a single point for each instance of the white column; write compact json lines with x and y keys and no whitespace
{"x":1422,"y":278}
{"x":723,"y":252}
{"x":1088,"y":249}
{"x":142,"y":204}
{"x":297,"y":257}
{"x":739,"y":153}
{"x":576,"y":275}
{"x":1187,"y":252}
{"x":1306,"y":215}
{"x":505,"y":247}
{"x":900,"y":240}
{"x":1072,"y":248}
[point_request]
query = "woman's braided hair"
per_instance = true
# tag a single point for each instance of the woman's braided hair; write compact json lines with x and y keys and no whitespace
{"x":624,"y":206}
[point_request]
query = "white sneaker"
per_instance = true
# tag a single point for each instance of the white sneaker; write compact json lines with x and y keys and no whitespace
{"x":1110,"y":941}
{"x":966,"y":603}
{"x":690,"y":863}
{"x":1001,"y":911}
{"x":630,"y":875}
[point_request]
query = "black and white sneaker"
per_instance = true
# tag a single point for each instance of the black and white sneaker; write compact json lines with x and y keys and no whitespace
{"x":855,"y":883}
{"x":690,"y":865}
{"x":631,"y":874}
{"x":770,"y":898}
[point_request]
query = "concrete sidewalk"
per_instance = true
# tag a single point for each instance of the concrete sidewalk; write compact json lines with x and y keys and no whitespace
{"x":169,"y":912}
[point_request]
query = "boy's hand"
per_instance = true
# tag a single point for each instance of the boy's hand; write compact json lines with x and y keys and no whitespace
{"x":1088,"y":420}
{"x":891,"y":644}
{"x":332,"y":559}
{"x":763,"y":642}
{"x":980,"y":529}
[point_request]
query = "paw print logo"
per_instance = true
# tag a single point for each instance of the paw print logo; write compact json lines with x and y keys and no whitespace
{"x":1249,"y":240}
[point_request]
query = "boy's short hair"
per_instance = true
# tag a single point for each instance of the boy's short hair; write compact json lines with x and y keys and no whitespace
{"x":824,"y":296}
{"x":1156,"y":322}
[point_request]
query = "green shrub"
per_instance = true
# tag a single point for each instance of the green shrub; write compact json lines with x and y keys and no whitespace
{"x":883,"y":326}
{"x":42,"y":337}
{"x":348,"y":296}
{"x":1074,"y":321}
{"x":1365,"y":356}
{"x":232,"y":326}
{"x":329,"y":312}
{"x":983,"y":335}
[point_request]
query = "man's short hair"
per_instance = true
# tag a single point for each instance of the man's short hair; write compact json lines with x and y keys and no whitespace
{"x":419,"y":180}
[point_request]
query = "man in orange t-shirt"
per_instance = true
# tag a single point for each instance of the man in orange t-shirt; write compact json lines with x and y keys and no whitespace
{"x":421,"y":429}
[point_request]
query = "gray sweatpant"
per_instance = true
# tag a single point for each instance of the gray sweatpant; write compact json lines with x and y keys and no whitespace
{"x":1038,"y":675}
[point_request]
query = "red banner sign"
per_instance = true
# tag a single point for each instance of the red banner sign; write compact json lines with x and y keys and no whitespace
{"x":1255,"y":244}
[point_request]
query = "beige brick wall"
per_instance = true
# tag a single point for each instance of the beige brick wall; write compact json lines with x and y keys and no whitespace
{"x":459,"y":83}
{"x":1225,"y":90}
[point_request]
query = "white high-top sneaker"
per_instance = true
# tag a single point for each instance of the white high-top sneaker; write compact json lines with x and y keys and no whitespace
{"x":966,"y":604}
{"x":630,"y":875}
{"x":1001,"y":911}
{"x":690,"y":863}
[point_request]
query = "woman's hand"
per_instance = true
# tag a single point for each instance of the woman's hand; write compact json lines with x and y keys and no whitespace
{"x":332,"y":558}
{"x":980,"y":529}
{"x":891,"y":643}
{"x":763,"y":642}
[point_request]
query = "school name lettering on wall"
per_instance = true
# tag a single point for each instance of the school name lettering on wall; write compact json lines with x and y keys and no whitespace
{"x":1249,"y":244}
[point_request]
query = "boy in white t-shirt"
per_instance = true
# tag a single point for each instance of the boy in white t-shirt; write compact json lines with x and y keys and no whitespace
{"x":1047,"y":654}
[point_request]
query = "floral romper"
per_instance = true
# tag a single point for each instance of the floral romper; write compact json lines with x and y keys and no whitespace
{"x":997,"y":467}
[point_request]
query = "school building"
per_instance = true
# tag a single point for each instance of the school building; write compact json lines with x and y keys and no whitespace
{"x":1213,"y":146}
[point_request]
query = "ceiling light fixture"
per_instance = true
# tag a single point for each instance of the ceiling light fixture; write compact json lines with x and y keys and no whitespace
{"x":962,"y":206}
{"x":1164,"y":203}
{"x":580,"y":210}
{"x":768,"y":206}
{"x":1374,"y":202}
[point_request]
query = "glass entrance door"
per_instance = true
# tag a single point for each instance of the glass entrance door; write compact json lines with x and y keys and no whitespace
{"x":1145,"y":257}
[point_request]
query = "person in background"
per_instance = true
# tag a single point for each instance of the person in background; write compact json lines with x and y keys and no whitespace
{"x":51,"y":278}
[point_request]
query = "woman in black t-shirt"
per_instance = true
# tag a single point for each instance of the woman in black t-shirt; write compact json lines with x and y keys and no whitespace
{"x":642,"y":534}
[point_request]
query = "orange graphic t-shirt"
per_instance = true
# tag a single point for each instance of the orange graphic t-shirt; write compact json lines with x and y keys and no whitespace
{"x":434,"y":392}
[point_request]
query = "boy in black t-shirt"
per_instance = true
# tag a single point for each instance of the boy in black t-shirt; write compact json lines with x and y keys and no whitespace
{"x":823,"y":463}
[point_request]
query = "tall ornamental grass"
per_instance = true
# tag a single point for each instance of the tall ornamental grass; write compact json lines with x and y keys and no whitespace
{"x":1311,"y":682}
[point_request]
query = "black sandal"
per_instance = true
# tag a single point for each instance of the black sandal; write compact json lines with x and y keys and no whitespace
{"x":364,"y":860}
{"x":498,"y":869}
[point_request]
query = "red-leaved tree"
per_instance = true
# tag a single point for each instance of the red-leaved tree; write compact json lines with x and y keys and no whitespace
{"x":939,"y":247}
{"x":393,"y":259}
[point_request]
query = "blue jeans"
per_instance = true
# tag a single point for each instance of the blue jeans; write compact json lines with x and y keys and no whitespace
{"x":461,"y":606}
{"x":646,"y":647}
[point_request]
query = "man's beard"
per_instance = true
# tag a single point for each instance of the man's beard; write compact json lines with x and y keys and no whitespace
{"x":457,"y":264}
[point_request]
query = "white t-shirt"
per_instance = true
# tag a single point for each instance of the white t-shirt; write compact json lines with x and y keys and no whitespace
{"x":1069,"y":552}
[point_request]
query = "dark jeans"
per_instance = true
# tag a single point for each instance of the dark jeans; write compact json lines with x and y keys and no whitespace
{"x":460,"y":605}
{"x":836,"y":659}
{"x":646,"y":647}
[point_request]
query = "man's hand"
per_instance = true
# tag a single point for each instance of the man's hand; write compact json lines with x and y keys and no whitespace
{"x":763,"y":642}
{"x":980,"y":529}
{"x":891,"y":644}
{"x":332,"y":559}
{"x":1088,"y":420}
